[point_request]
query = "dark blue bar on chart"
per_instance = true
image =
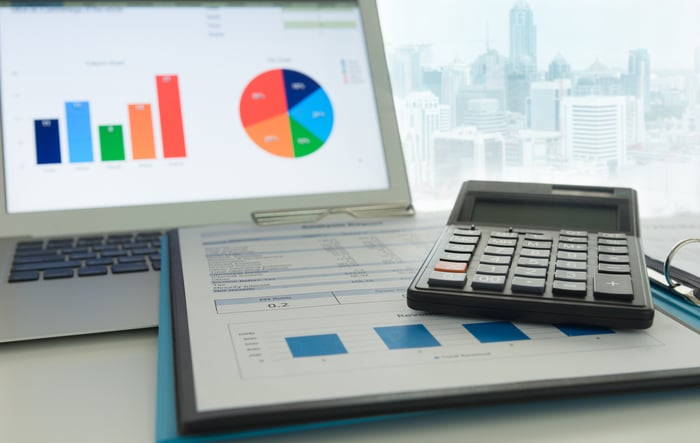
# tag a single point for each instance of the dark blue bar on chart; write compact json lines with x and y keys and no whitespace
{"x":79,"y":132}
{"x":315,"y":345}
{"x":406,"y":337}
{"x":578,"y":331}
{"x":496,"y":331}
{"x":48,"y":144}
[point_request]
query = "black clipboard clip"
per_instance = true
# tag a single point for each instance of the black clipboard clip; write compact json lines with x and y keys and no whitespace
{"x":678,"y":282}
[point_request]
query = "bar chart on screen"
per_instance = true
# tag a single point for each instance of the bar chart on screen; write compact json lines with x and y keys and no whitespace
{"x":90,"y":139}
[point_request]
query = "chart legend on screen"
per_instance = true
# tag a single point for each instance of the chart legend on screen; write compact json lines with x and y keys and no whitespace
{"x":286,"y":113}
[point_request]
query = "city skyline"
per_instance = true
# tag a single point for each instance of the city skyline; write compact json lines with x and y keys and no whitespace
{"x":514,"y":114}
{"x":582,"y":31}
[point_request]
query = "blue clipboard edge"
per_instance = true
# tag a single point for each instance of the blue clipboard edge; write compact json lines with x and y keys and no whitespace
{"x":166,"y":430}
{"x":675,"y":307}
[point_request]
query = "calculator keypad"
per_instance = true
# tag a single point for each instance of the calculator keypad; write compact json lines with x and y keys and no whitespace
{"x":575,"y":264}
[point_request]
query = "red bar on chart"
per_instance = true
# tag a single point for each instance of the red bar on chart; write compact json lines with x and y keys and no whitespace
{"x":141,"y":123}
{"x":170,"y":116}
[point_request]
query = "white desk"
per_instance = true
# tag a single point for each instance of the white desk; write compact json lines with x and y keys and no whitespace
{"x":102,"y":389}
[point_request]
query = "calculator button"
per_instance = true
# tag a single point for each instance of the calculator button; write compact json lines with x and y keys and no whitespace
{"x":530,"y":272}
{"x":573,"y":233}
{"x":509,"y":242}
{"x":531,"y":244}
{"x":492,"y":269}
{"x":613,"y":286}
{"x":450,"y":266}
{"x":560,"y":287}
{"x":618,"y":250}
{"x":467,"y":232}
{"x":533,"y":262}
{"x":460,"y":249}
{"x":492,"y":282}
{"x":495,"y":259}
{"x":505,"y":234}
{"x":575,"y":247}
{"x":498,"y":250}
{"x":612,"y":242}
{"x":573,"y":256}
{"x":562,"y":274}
{"x":608,"y":268}
{"x":571,"y":265}
{"x":525,"y":284}
{"x":612,"y":235}
{"x":454,"y":256}
{"x":567,"y":239}
{"x":451,"y":279}
{"x":464,"y":240}
{"x":617,"y":259}
{"x":535,"y":253}
{"x":538,"y":237}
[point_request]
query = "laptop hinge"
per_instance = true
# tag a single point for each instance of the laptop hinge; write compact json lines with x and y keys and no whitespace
{"x":265,"y":218}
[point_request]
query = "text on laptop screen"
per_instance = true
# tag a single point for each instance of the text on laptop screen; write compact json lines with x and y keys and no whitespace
{"x":107,"y":106}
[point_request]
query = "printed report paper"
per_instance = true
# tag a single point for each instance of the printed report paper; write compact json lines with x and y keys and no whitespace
{"x":317,"y":312}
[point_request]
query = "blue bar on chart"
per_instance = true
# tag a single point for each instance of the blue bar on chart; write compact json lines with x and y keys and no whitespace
{"x":579,"y":331}
{"x":315,"y":345}
{"x":48,"y":144}
{"x":406,"y":337}
{"x":496,"y":331}
{"x":79,"y":132}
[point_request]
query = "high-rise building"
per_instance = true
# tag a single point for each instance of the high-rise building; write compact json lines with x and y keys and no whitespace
{"x":486,"y":115}
{"x":638,"y":71}
{"x":466,"y":153}
{"x":421,"y":115}
{"x":596,"y":131}
{"x":455,"y":77}
{"x":523,"y":38}
{"x":432,"y":80}
{"x":466,"y":95}
{"x":405,"y":66}
{"x":558,"y":68}
{"x":522,"y":65}
{"x":489,"y":70}
{"x":544,"y":104}
{"x":597,"y":80}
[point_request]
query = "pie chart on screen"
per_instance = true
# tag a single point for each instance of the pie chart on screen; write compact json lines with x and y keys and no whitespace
{"x":286,"y":113}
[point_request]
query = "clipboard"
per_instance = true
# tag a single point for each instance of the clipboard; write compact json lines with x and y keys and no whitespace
{"x":417,"y":401}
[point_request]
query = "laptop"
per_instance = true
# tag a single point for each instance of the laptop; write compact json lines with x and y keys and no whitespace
{"x":121,"y":120}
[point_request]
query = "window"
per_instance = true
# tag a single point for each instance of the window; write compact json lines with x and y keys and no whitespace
{"x":599,"y":92}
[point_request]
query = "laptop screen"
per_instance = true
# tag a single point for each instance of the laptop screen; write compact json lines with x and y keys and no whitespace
{"x":133,"y":104}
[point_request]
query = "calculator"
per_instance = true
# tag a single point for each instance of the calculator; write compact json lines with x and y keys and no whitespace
{"x":551,"y":253}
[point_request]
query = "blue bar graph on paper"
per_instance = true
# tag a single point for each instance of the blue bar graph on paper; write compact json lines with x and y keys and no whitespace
{"x":48,"y":144}
{"x":496,"y":331}
{"x":79,"y":132}
{"x":578,"y":330}
{"x":406,"y":337}
{"x":315,"y":345}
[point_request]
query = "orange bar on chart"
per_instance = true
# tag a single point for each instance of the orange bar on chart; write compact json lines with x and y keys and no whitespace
{"x":170,"y":116}
{"x":141,"y":121}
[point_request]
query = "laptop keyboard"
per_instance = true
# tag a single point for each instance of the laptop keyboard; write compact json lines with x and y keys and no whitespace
{"x":85,"y":256}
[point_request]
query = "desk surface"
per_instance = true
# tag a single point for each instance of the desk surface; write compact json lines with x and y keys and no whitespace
{"x":102,"y":388}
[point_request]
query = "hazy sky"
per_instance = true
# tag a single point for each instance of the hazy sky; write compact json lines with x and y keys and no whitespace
{"x":581,"y":30}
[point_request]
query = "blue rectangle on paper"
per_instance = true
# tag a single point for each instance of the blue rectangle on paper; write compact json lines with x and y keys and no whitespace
{"x":406,"y":337}
{"x":79,"y":132}
{"x":578,"y":330}
{"x":497,"y":331}
{"x":315,"y":345}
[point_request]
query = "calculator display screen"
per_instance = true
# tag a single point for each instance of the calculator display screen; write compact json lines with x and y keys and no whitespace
{"x":546,"y":214}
